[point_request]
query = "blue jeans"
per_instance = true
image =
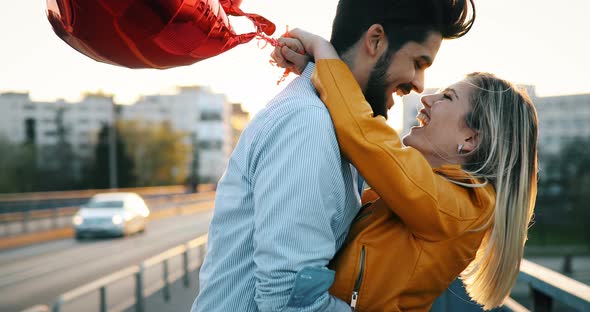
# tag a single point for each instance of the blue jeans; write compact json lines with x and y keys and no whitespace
{"x":456,"y":299}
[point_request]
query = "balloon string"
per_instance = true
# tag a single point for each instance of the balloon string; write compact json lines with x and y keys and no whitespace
{"x":266,"y":40}
{"x":275,"y":43}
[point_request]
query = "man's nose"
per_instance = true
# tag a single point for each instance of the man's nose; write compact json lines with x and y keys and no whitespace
{"x":418,"y":82}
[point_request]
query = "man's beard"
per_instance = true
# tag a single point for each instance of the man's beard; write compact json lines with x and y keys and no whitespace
{"x":376,"y":86}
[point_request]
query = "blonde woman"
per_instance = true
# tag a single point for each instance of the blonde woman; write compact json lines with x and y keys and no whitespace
{"x":455,"y":199}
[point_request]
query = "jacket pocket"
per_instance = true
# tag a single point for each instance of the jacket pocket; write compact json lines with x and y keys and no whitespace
{"x":359,"y":279}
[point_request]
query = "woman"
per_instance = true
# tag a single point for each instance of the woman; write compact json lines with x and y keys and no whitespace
{"x":457,"y":200}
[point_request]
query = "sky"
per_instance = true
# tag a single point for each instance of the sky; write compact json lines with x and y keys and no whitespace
{"x":537,"y":42}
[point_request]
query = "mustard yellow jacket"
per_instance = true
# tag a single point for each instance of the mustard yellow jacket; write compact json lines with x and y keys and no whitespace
{"x":407,"y":247}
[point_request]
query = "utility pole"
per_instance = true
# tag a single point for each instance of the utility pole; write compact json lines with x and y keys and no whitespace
{"x":113,"y":148}
{"x":194,"y":174}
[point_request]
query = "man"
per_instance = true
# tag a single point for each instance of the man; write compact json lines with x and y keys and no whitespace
{"x":285,"y":203}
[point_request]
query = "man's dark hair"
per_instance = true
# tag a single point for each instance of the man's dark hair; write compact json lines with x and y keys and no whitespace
{"x":402,"y":20}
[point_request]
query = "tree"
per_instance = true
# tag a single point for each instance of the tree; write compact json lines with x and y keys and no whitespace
{"x":193,"y":178}
{"x":159,"y":152}
{"x":563,"y":200}
{"x":63,"y":170}
{"x":98,"y":172}
{"x":17,"y":167}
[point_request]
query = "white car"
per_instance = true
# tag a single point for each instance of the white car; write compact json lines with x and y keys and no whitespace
{"x":115,"y":214}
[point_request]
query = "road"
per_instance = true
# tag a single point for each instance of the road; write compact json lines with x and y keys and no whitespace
{"x":38,"y":274}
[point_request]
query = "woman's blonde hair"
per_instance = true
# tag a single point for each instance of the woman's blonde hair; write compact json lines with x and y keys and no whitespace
{"x":506,"y":156}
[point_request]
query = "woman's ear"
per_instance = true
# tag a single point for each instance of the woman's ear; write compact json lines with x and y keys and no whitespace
{"x":375,"y":41}
{"x":470,"y":142}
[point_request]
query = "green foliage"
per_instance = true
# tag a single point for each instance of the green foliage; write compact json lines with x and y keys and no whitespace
{"x":563,"y":204}
{"x":17,"y":165}
{"x":160,"y":153}
{"x":98,"y":170}
{"x":147,"y":155}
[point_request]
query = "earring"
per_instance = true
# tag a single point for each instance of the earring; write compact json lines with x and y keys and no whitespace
{"x":460,"y":149}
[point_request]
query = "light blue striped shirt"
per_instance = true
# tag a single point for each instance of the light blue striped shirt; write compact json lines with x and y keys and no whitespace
{"x":282,"y":210}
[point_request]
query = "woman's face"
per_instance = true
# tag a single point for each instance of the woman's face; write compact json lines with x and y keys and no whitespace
{"x":442,"y":126}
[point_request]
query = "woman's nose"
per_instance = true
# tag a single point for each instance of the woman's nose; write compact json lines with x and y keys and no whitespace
{"x":427,"y":100}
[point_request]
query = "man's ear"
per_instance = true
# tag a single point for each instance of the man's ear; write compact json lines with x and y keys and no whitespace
{"x":375,"y":41}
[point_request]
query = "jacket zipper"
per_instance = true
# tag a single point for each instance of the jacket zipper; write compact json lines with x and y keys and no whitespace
{"x":361,"y":217}
{"x":359,"y":280}
{"x":363,"y":214}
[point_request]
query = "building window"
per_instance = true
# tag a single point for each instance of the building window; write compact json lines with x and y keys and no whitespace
{"x":211,"y":116}
{"x":211,"y":145}
{"x":30,"y":130}
{"x":205,"y":145}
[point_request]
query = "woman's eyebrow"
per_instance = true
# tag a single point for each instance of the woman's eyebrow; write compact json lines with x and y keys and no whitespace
{"x":452,"y":90}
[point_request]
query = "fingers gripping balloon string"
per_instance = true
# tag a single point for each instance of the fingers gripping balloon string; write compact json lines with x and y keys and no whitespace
{"x":265,"y":40}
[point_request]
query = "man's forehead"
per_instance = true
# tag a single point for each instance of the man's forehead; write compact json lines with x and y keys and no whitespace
{"x":428,"y":49}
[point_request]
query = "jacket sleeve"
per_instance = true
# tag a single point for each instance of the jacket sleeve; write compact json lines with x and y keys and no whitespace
{"x":297,"y":183}
{"x":401,"y":176}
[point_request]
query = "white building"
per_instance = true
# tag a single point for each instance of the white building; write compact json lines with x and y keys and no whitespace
{"x":22,"y":120}
{"x":15,"y":108}
{"x":562,"y":119}
{"x":199,"y":112}
{"x":195,"y":110}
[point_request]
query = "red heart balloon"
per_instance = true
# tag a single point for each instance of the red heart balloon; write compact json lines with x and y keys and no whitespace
{"x":150,"y":33}
{"x":229,"y":4}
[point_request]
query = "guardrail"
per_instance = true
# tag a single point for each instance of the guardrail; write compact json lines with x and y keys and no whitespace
{"x":19,"y":222}
{"x":150,"y":190}
{"x":31,"y":202}
{"x":137,"y":271}
{"x":548,"y":286}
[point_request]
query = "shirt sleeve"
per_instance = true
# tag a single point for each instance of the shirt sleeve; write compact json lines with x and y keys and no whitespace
{"x":297,"y":184}
{"x":404,"y":179}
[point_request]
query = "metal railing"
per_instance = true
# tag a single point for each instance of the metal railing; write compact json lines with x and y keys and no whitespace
{"x":61,"y":195}
{"x":137,"y":271}
{"x":21,"y":205}
{"x":546,"y":285}
{"x":548,"y":289}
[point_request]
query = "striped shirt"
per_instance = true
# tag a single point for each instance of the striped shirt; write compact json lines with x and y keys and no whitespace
{"x":282,"y":210}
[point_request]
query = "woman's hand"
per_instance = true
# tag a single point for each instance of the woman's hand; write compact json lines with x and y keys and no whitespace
{"x":298,"y":47}
{"x":290,"y":54}
{"x":315,"y":46}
